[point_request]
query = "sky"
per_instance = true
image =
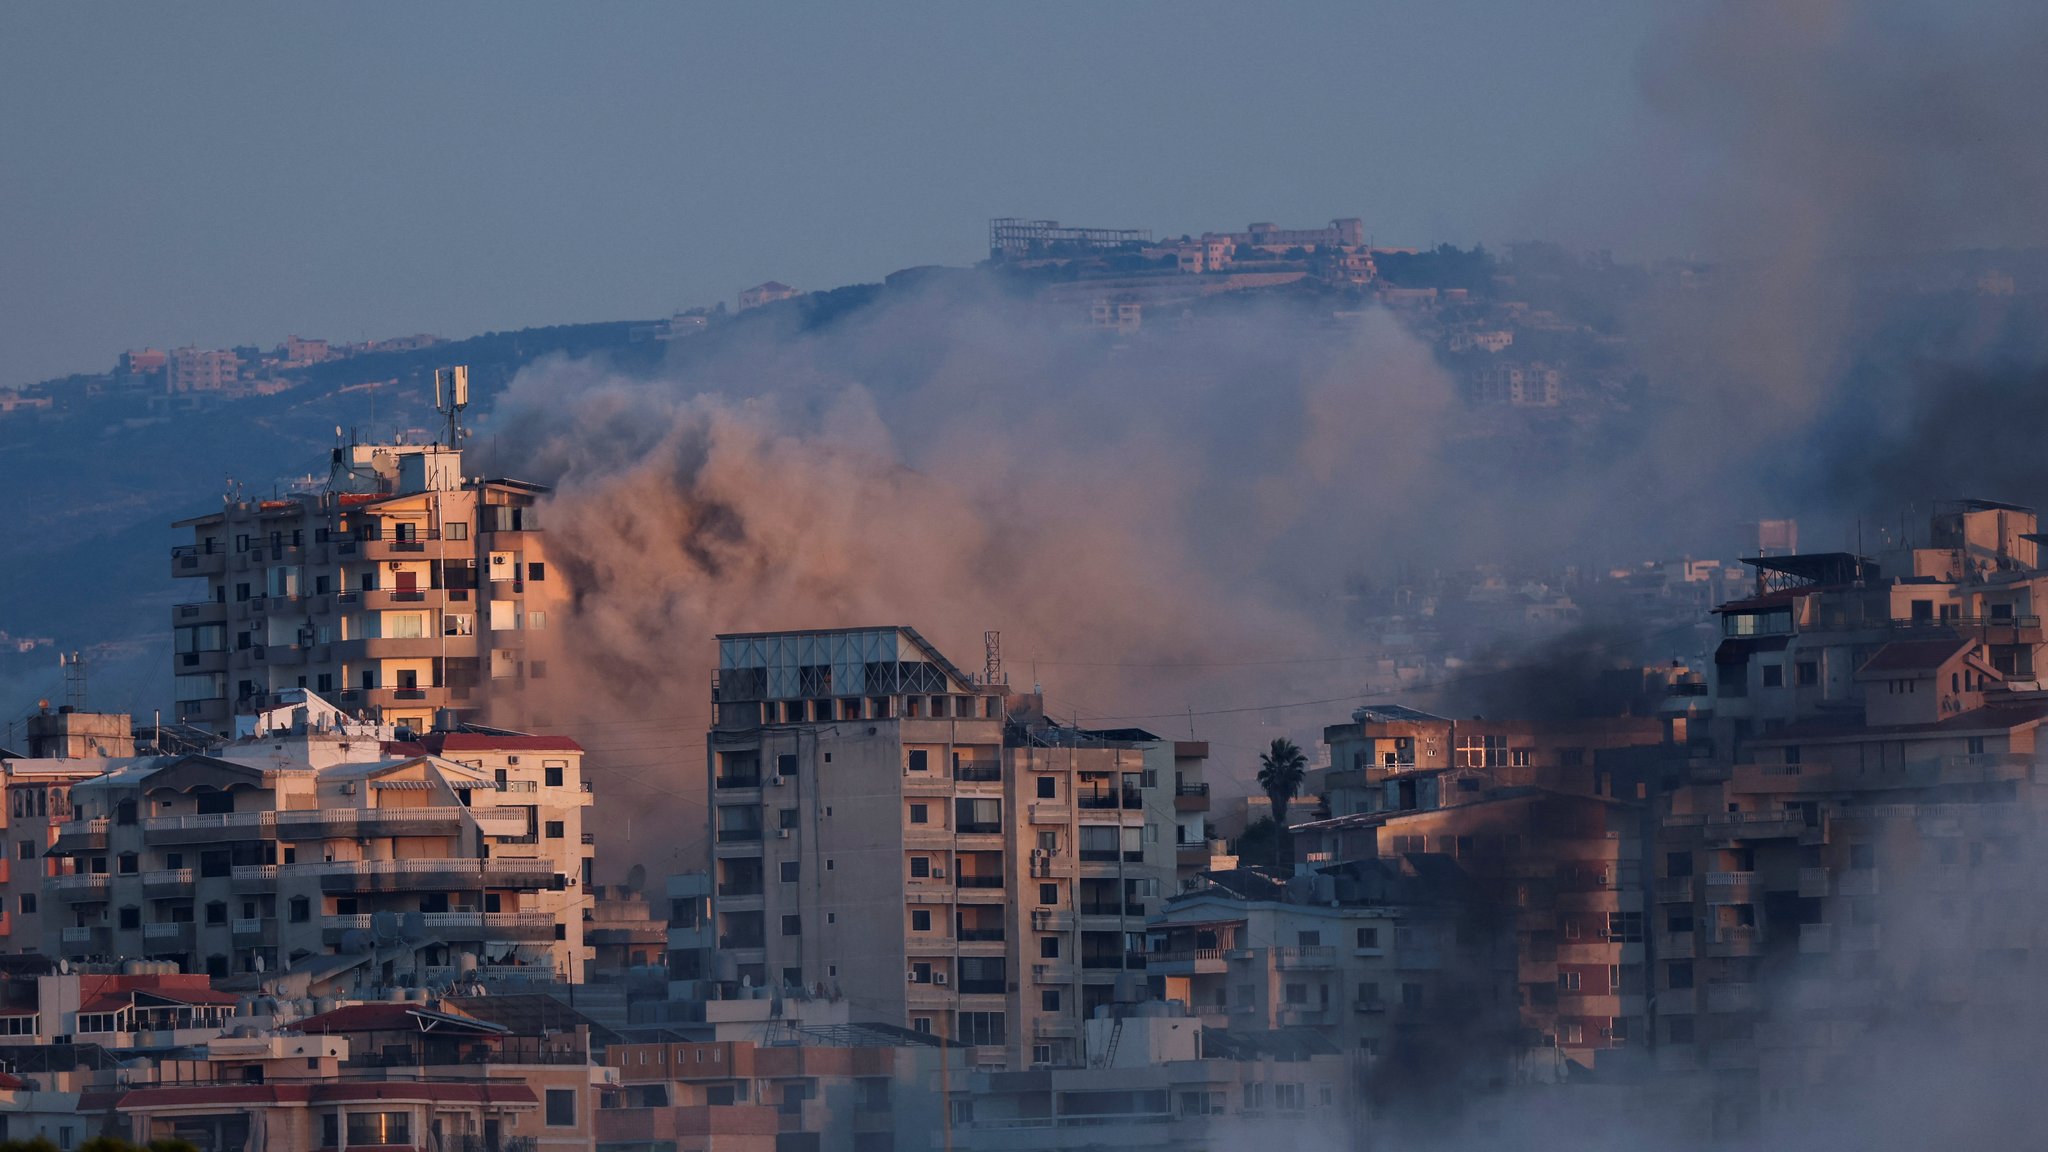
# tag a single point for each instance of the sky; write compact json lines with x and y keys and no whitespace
{"x":233,"y":173}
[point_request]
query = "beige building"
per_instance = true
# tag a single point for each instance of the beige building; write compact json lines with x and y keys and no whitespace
{"x":402,"y":590}
{"x":860,"y":780}
{"x":325,"y":846}
{"x":201,"y":369}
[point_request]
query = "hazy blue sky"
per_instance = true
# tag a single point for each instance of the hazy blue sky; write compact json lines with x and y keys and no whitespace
{"x":234,"y":173}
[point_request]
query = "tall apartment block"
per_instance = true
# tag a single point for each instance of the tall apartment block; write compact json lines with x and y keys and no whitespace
{"x":1534,"y":813}
{"x":890,"y":828}
{"x":326,"y":846}
{"x":402,"y":590}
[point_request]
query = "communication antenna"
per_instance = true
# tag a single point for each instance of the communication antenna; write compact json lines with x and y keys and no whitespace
{"x":992,"y":657}
{"x":73,"y":664}
{"x":451,"y":396}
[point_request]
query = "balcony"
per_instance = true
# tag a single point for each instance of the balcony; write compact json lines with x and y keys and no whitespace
{"x":1734,"y":941}
{"x":1813,"y":883}
{"x":93,"y":940}
{"x":737,"y":780}
{"x":192,"y":560}
{"x":82,"y":836}
{"x":249,"y":933}
{"x":1816,"y":939}
{"x":1052,"y":973}
{"x":167,"y":882}
{"x":169,"y":936}
{"x":978,"y":771}
{"x":1051,"y":812}
{"x":1732,"y":998}
{"x":194,"y":663}
{"x":1052,"y":920}
{"x":1308,"y":957}
{"x":82,"y":888}
{"x":1188,"y":962}
{"x":1734,"y":888}
{"x":249,"y":878}
{"x":966,"y":881}
{"x":981,"y":935}
{"x":210,"y":829}
{"x":1191,"y":798}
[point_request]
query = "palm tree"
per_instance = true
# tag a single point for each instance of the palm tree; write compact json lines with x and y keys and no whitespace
{"x":1280,"y":772}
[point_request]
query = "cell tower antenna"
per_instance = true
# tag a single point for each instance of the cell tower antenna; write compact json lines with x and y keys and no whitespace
{"x":73,"y":664}
{"x":992,"y":657}
{"x":451,"y":396}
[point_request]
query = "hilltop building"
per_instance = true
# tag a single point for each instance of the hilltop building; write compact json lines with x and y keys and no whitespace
{"x":403,"y":591}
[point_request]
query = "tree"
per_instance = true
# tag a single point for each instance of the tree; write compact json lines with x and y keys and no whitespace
{"x":1280,"y":773}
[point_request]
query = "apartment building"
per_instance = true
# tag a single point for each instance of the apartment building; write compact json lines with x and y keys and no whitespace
{"x":1365,"y":954}
{"x":38,"y":806}
{"x":861,"y":779}
{"x":325,"y":846}
{"x":401,"y":591}
{"x":1154,"y":1079}
{"x":201,"y":369}
{"x":851,"y":1088}
{"x":1540,"y":815}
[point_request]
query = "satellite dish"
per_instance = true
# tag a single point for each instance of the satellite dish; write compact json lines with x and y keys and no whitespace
{"x":258,"y":962}
{"x":64,"y":967}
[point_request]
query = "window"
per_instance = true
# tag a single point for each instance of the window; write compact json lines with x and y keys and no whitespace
{"x":1411,"y":995}
{"x":536,"y":621}
{"x":1862,"y":856}
{"x":1049,"y":1000}
{"x":1048,"y":894}
{"x":217,"y":913}
{"x":1809,"y":673}
{"x":552,"y":775}
{"x":1368,"y":937}
{"x":981,"y":1028}
{"x":1047,"y":788}
{"x":1677,"y":865}
{"x":301,"y":910}
{"x":919,"y":760}
{"x":28,"y":903}
{"x":789,"y":871}
{"x":919,"y":814}
{"x":920,"y":867}
{"x":131,"y":918}
{"x":1049,"y":947}
{"x":554,"y":829}
{"x":1974,"y":745}
{"x":561,"y":1110}
{"x":26,"y":850}
{"x":1774,"y":675}
{"x":1680,"y":973}
{"x":1567,"y":981}
{"x":920,"y":920}
{"x":455,"y":530}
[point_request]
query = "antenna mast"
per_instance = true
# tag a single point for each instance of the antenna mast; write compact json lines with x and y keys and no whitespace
{"x":991,"y":657}
{"x":451,"y":396}
{"x":73,"y":664}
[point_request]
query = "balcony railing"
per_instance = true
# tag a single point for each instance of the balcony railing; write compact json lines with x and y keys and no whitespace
{"x":739,"y":835}
{"x":979,"y":772}
{"x":977,"y":881}
{"x":738,"y":781}
{"x":981,"y":935}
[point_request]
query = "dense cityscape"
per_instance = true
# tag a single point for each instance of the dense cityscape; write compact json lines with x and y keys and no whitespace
{"x":359,"y":883}
{"x":908,"y":578}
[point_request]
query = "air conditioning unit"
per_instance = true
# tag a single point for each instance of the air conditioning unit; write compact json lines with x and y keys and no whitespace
{"x":938,"y":977}
{"x":782,"y":833}
{"x":938,"y":873}
{"x":780,"y":781}
{"x":910,"y":977}
{"x":348,"y":788}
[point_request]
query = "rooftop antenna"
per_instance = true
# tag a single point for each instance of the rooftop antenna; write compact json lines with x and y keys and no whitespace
{"x":451,"y":396}
{"x":992,"y":657}
{"x":73,"y":664}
